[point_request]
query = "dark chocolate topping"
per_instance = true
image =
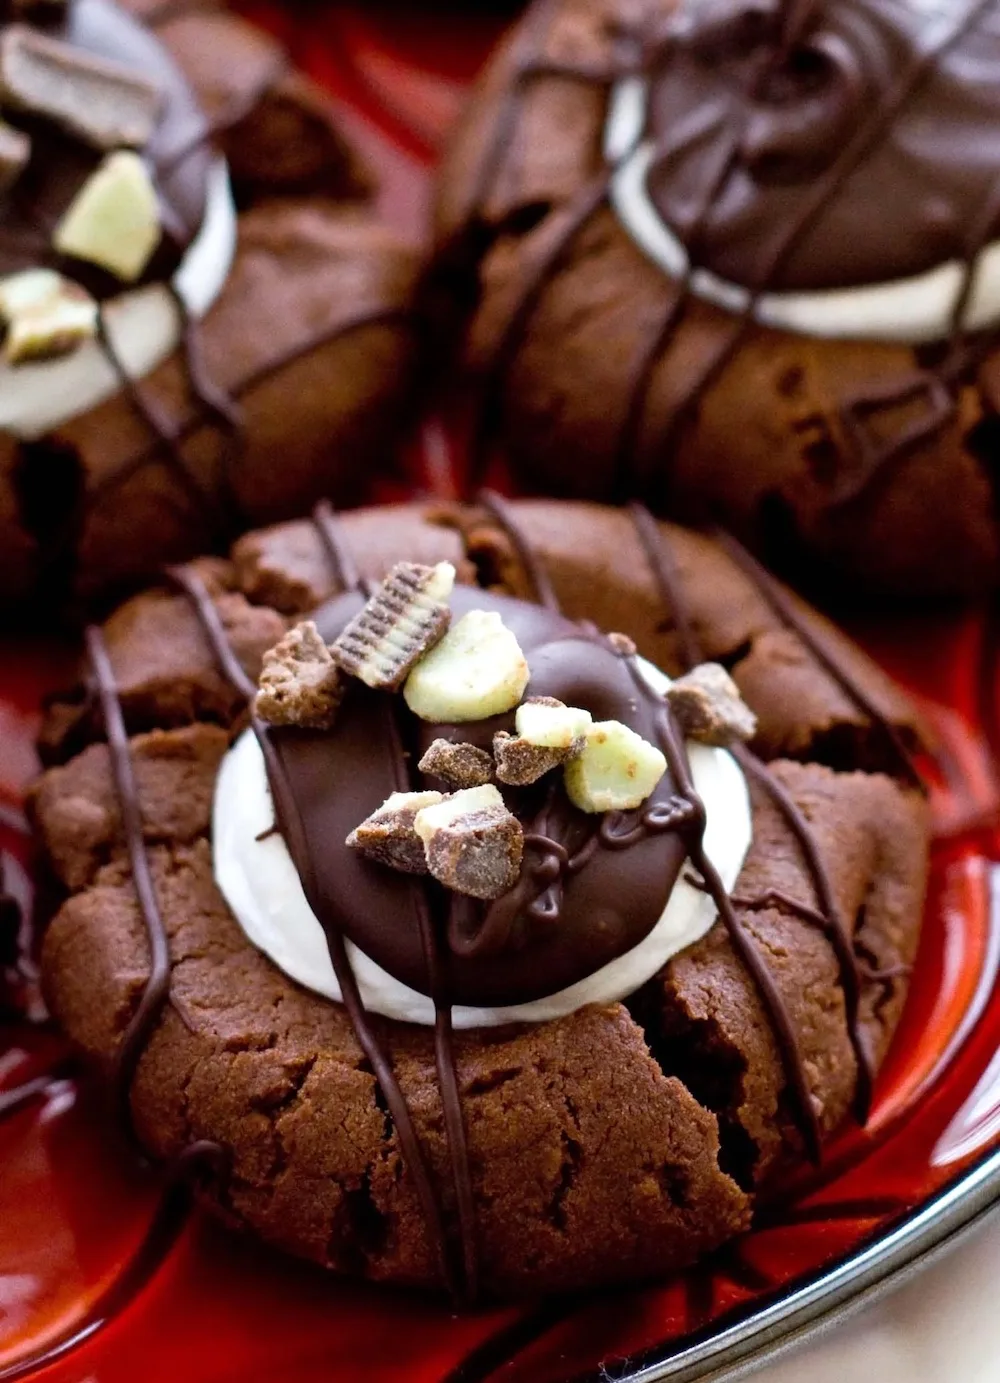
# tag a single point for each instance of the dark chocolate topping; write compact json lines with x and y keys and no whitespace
{"x":781,"y":90}
{"x":548,"y":932}
{"x":61,"y":164}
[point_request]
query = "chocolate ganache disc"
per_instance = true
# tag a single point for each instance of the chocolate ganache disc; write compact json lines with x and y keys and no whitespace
{"x":178,"y":154}
{"x":825,"y":144}
{"x":507,"y":952}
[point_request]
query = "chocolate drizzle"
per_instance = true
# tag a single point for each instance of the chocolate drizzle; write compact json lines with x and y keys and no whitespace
{"x":673,"y":747}
{"x":461,"y":1282}
{"x":797,"y":107}
{"x":498,"y":507}
{"x":784,"y":608}
{"x":654,"y":543}
{"x":663,"y":566}
{"x":342,"y":563}
{"x":157,"y":986}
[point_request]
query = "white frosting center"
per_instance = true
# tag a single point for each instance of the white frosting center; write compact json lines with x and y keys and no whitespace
{"x":913,"y":310}
{"x":144,"y":327}
{"x":259,"y":882}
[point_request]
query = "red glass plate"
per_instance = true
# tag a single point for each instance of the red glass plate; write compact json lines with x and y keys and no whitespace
{"x":107,"y":1275}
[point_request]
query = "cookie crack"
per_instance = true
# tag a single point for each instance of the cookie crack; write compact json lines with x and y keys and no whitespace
{"x":695,"y":1052}
{"x":494,"y":1080}
{"x":360,"y":1231}
{"x":569,"y":1170}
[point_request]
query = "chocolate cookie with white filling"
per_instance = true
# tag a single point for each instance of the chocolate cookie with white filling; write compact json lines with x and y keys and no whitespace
{"x":191,"y":285}
{"x":695,"y":969}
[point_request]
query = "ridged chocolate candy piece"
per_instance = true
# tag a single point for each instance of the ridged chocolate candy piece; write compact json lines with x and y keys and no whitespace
{"x":104,"y":103}
{"x":401,"y":622}
{"x":300,"y":683}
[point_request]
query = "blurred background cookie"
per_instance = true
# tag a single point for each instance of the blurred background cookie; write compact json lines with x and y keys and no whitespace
{"x":740,"y":260}
{"x":204,"y":325}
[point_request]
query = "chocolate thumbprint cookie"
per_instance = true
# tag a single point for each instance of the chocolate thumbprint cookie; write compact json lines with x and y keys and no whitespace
{"x":508,"y":918}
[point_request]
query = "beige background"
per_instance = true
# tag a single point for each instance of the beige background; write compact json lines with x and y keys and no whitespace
{"x":942,"y":1327}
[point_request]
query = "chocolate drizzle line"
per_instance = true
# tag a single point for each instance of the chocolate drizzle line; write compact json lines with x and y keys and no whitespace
{"x":672,"y":744}
{"x":444,"y":1051}
{"x":345,"y":569}
{"x":500,"y":510}
{"x":348,"y":577}
{"x":146,"y":409}
{"x":655,"y":545}
{"x":157,"y":986}
{"x":380,"y":316}
{"x":835,"y":928}
{"x":660,"y":557}
{"x":785,"y":610}
{"x":663,"y":565}
{"x":692,"y":827}
{"x":462,"y":1285}
{"x":156,"y":989}
{"x":642,"y":54}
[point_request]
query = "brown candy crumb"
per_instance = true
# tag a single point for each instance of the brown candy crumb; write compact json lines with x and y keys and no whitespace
{"x":520,"y":763}
{"x":458,"y":765}
{"x":388,"y":836}
{"x":401,"y":622}
{"x":300,"y":684}
{"x":472,"y":843}
{"x":104,"y":103}
{"x":709,"y":708}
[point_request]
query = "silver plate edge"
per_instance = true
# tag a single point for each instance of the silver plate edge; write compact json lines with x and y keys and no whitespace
{"x":928,"y":1232}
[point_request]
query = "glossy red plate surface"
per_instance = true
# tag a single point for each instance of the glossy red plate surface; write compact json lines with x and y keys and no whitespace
{"x":106,"y":1276}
